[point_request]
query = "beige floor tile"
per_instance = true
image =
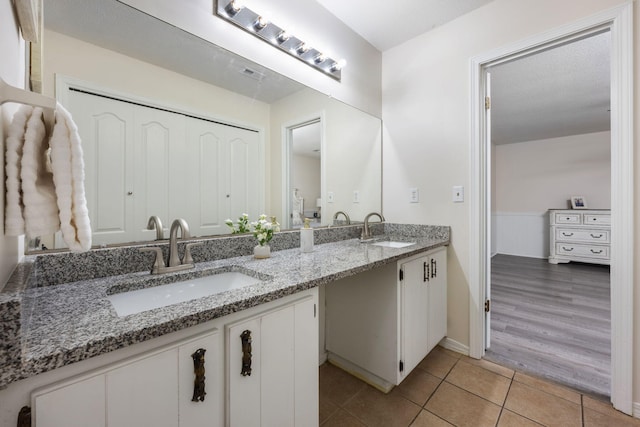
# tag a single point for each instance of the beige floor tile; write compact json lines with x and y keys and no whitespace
{"x":427,"y":419}
{"x":338,"y":386}
{"x":417,"y":387}
{"x":480,"y":381}
{"x":461,"y":408}
{"x":543,"y":407}
{"x":342,"y":419}
{"x":593,"y":418}
{"x":606,"y":410}
{"x":327,"y":408}
{"x":375,"y":408}
{"x":438,"y":363}
{"x":511,"y":419}
{"x":498,"y":369}
{"x":548,"y":387}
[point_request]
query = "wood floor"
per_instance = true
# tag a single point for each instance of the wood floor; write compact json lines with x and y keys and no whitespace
{"x":553,"y":321}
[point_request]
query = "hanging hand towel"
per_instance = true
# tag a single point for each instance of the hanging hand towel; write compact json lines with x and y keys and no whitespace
{"x":38,"y":191}
{"x":14,"y":206}
{"x":68,"y":175}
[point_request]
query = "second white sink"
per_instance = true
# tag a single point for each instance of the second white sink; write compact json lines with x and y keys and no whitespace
{"x":140,"y":300}
{"x":392,"y":244}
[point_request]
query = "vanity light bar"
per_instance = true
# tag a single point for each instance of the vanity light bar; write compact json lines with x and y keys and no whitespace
{"x":259,"y":26}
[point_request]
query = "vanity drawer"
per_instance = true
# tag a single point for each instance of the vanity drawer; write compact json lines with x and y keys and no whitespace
{"x":599,"y":219}
{"x":568,"y":218}
{"x":579,"y":235}
{"x":587,"y":251}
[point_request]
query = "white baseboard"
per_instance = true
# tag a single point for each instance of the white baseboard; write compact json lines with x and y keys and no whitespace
{"x":636,"y":410}
{"x":453,"y":345}
{"x":322,"y":358}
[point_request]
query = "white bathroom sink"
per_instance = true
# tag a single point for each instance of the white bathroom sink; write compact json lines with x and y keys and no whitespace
{"x":140,"y":300}
{"x":392,"y":244}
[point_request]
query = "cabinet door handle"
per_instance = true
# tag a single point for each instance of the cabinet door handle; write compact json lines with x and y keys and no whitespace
{"x":198,"y":369}
{"x":434,"y":268}
{"x":567,"y":249}
{"x":596,"y":252}
{"x":596,"y":237}
{"x":425,"y":274}
{"x":567,"y":234}
{"x":245,"y":337}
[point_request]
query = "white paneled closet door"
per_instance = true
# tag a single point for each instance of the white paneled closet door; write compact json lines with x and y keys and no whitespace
{"x":246,"y":182}
{"x":106,"y":129}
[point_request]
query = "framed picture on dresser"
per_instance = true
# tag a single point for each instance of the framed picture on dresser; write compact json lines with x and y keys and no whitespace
{"x":578,"y":202}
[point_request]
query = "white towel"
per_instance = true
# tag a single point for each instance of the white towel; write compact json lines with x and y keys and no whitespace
{"x":38,"y":191}
{"x":14,"y":206}
{"x":68,"y":175}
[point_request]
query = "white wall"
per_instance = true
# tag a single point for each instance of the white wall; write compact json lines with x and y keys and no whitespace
{"x":426,"y":93}
{"x":12,"y":71}
{"x":306,"y":19}
{"x":532,"y":177}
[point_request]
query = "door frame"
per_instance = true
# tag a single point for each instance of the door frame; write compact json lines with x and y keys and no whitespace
{"x":619,"y":20}
{"x":287,"y":152}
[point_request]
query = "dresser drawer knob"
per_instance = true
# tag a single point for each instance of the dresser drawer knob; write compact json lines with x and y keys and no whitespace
{"x":596,"y":252}
{"x":567,"y":234}
{"x":567,"y":249}
{"x":596,"y":237}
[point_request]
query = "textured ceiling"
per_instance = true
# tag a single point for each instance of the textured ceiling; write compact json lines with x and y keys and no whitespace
{"x":559,"y":92}
{"x":386,"y":24}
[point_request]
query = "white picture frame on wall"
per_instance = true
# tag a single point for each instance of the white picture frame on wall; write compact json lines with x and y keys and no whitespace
{"x":578,"y":202}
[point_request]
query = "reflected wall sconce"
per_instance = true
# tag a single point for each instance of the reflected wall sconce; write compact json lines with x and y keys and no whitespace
{"x":261,"y":27}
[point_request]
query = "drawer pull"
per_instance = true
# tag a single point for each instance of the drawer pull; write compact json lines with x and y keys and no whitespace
{"x":596,"y":237}
{"x":567,"y":234}
{"x":198,"y":369}
{"x":245,"y":337}
{"x":567,"y":249}
{"x":425,"y":272}
{"x":434,"y":268}
{"x":596,"y":252}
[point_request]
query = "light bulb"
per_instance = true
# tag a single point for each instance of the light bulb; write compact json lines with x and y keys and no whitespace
{"x":283,"y":36}
{"x":260,"y":23}
{"x":302,"y":49}
{"x":234,"y":7}
{"x":320,"y":58}
{"x":338,"y":65}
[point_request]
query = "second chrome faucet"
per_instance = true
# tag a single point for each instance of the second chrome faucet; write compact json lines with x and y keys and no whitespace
{"x":174,"y":263}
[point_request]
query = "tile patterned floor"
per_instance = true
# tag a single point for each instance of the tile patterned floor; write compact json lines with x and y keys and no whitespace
{"x":449,"y":389}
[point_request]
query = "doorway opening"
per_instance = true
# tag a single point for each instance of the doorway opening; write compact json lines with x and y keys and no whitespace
{"x":619,"y":21}
{"x":303,"y":166}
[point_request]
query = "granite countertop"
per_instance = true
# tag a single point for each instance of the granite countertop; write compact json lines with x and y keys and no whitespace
{"x":69,"y":322}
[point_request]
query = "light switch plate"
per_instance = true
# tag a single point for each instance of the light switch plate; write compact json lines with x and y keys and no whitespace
{"x":458,"y":194}
{"x":330,"y":197}
{"x":414,"y":195}
{"x":356,"y":196}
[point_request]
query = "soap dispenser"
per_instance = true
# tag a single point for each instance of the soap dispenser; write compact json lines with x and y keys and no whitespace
{"x":306,"y":237}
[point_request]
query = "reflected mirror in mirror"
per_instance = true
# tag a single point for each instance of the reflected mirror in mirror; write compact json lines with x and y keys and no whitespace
{"x":175,"y":126}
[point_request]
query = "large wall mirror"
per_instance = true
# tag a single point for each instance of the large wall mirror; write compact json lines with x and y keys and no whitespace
{"x":178,"y":127}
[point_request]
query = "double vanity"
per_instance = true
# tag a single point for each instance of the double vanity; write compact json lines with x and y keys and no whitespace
{"x":95,"y":339}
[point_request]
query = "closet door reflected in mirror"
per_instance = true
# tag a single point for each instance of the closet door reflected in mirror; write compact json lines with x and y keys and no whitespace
{"x":142,"y":161}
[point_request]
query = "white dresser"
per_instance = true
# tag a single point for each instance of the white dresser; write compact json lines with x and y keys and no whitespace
{"x":580,"y":235}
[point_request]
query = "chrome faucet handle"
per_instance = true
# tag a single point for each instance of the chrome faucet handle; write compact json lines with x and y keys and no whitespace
{"x":187,"y":259}
{"x":158,"y":264}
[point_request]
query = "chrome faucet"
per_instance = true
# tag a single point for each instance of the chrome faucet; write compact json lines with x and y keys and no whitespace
{"x":366,"y":234}
{"x":174,"y":257}
{"x":346,"y":217}
{"x":174,"y":264}
{"x":154,"y":222}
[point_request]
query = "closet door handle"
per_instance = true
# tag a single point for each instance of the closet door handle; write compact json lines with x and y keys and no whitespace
{"x":245,"y":338}
{"x":198,"y":369}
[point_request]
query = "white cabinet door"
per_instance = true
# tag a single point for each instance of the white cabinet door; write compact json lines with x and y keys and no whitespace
{"x":437,"y":296}
{"x":144,"y":392}
{"x":415,"y":312}
{"x":76,"y":404}
{"x":210,"y":411}
{"x":275,"y":382}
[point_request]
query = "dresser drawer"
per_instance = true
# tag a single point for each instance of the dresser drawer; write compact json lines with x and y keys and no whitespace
{"x":568,"y":218}
{"x":578,"y":250}
{"x":580,"y":235}
{"x":600,"y":219}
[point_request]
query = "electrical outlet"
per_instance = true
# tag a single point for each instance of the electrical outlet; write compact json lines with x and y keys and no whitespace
{"x":458,"y":194}
{"x":356,"y":196}
{"x":330,"y":197}
{"x":414,"y":195}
